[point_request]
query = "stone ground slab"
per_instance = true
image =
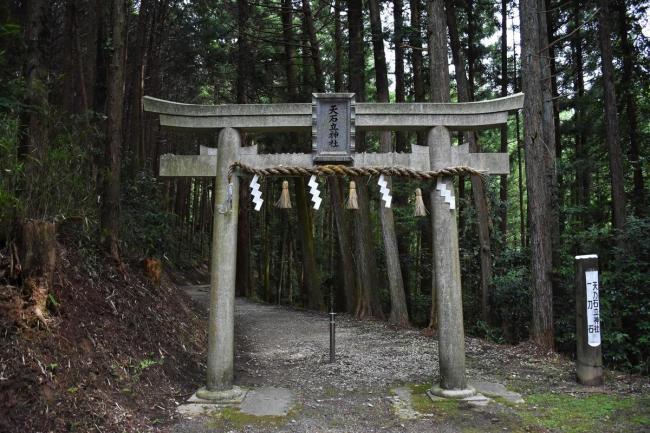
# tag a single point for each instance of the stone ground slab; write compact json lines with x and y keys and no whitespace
{"x":196,"y":406}
{"x":268,"y":401}
{"x":497,"y":390}
{"x":403,"y":404}
{"x":478,"y":400}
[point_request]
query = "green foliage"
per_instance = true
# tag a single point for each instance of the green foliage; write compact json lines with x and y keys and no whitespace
{"x":56,"y":183}
{"x":59,"y":181}
{"x":512,"y":297}
{"x":625,"y":301}
{"x":147,"y":229}
{"x":11,"y":168}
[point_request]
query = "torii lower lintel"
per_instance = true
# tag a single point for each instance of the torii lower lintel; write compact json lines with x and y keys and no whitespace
{"x":437,"y":155}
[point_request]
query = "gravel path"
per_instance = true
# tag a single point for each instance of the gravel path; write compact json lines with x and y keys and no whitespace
{"x":282,"y":347}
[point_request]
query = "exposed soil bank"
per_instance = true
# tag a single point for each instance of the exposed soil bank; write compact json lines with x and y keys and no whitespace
{"x":117,"y":355}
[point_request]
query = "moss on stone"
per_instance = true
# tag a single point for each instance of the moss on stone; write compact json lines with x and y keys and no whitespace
{"x":231,"y":417}
{"x":424,"y":405}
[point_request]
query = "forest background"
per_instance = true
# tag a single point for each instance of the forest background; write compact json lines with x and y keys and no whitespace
{"x":77,"y":151}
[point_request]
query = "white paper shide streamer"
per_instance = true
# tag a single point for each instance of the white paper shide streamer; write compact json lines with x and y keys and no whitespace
{"x":256,"y":193}
{"x":385,"y":191}
{"x":446,"y":193}
{"x":315,"y":193}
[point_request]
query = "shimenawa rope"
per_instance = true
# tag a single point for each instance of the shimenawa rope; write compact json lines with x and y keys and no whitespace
{"x":344,"y":170}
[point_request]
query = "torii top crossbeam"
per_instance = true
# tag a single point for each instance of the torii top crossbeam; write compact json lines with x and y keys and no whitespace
{"x":365,"y":116}
{"x":369,"y":116}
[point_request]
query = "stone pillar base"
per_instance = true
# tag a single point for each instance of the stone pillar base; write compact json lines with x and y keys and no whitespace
{"x":451,"y":393}
{"x":226,"y":397}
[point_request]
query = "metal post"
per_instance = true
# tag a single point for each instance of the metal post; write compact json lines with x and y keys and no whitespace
{"x":332,"y":315}
{"x":332,"y":336}
{"x":589,"y":357}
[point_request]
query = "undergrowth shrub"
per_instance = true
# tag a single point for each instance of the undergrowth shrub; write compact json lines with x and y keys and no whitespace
{"x":56,"y":183}
{"x":147,"y":229}
{"x":512,"y":297}
{"x":625,"y":300}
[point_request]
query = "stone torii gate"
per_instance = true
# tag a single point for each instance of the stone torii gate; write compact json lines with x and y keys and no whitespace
{"x":232,"y":120}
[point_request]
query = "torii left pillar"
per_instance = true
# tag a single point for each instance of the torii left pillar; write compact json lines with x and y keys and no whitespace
{"x":223,"y":265}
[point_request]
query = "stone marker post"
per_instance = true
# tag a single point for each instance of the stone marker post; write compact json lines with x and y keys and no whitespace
{"x":589,"y":357}
{"x":451,"y":335}
{"x":223,"y":265}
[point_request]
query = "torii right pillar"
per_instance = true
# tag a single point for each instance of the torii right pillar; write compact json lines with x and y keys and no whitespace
{"x":446,"y":262}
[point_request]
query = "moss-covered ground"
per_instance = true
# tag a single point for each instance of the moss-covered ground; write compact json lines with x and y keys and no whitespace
{"x":542,"y":412}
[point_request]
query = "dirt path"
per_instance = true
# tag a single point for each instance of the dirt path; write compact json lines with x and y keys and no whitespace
{"x":281,"y":347}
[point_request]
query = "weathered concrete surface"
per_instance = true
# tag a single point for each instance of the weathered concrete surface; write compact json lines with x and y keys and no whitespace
{"x":447,"y":271}
{"x":478,"y":400}
{"x":188,"y":165}
{"x":497,"y":390}
{"x":268,"y":401}
{"x":228,"y":397}
{"x":197,"y":406}
{"x":161,"y":106}
{"x":369,"y":116}
{"x":222,"y":271}
{"x":417,"y":122}
{"x":403,"y":404}
{"x":205,"y":164}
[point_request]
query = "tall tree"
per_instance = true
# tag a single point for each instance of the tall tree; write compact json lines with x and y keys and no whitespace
{"x":580,"y":139}
{"x":398,"y":311}
{"x":311,"y":275}
{"x":289,"y":51}
{"x":34,"y":140}
{"x":631,"y":109}
{"x":110,"y":215}
{"x":539,"y":194}
{"x":478,"y":188}
{"x":336,"y":185}
{"x":612,"y":138}
{"x":310,"y":29}
{"x":415,"y":40}
{"x":356,"y":57}
{"x":503,"y":148}
{"x":135,"y":85}
{"x":367,"y":280}
{"x":338,"y":48}
{"x":439,"y":81}
{"x":523,"y":238}
{"x":552,"y":123}
{"x":243,"y":52}
{"x":243,"y":278}
{"x":400,"y":90}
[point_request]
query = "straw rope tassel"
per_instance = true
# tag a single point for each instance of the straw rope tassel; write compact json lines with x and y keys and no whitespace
{"x":285,"y":200}
{"x":420,"y":209}
{"x":352,"y":197}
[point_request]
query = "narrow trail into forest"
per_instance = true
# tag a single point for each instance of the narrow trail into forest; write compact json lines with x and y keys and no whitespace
{"x":282,"y":347}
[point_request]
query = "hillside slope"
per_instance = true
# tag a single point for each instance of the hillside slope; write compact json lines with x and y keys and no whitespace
{"x":117,"y":353}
